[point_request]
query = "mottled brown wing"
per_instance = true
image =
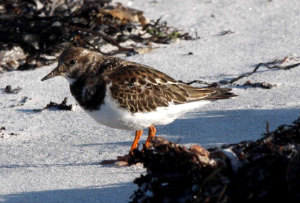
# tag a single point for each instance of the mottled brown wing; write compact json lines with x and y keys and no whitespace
{"x":141,"y":88}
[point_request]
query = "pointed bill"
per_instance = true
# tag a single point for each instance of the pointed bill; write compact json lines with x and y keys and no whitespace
{"x":53,"y":73}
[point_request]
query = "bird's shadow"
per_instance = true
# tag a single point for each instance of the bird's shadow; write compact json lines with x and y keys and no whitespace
{"x":107,"y":194}
{"x":214,"y":128}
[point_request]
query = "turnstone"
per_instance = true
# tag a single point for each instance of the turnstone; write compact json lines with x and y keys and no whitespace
{"x":127,"y":95}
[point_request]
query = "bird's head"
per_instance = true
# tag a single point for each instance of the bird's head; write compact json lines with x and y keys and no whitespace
{"x":72,"y":63}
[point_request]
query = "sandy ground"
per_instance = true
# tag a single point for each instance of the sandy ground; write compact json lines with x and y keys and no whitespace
{"x":53,"y":156}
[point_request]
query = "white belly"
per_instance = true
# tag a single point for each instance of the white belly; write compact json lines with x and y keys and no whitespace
{"x":110,"y":114}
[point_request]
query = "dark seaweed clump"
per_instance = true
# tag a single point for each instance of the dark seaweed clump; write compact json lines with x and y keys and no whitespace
{"x":266,"y":170}
{"x":36,"y":29}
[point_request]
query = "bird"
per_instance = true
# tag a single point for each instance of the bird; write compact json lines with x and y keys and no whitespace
{"x":127,"y":95}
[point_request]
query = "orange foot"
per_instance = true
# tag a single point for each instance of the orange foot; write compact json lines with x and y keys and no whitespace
{"x":124,"y":160}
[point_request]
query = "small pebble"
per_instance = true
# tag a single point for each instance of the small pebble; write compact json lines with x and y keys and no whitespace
{"x":8,"y":89}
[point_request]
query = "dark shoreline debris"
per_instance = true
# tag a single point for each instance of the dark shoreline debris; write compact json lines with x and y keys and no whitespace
{"x":39,"y":30}
{"x":286,"y":63}
{"x":8,"y":89}
{"x":5,"y":134}
{"x":55,"y":106}
{"x":263,"y":85}
{"x":266,"y":170}
{"x":226,"y":32}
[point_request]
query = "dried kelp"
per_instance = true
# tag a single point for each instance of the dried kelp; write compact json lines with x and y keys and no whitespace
{"x":226,"y":32}
{"x":55,"y":106}
{"x":43,"y":28}
{"x":282,"y":64}
{"x":266,"y":170}
{"x":263,"y":85}
{"x":286,"y":63}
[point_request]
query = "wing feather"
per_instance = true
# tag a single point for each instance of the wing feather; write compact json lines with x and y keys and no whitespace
{"x":140,"y":88}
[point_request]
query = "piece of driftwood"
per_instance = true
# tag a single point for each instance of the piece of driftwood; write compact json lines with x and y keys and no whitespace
{"x":266,"y":170}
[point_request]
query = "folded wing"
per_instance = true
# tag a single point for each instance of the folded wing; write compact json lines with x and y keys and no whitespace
{"x":140,"y":88}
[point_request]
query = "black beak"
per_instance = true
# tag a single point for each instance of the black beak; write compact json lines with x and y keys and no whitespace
{"x":52,"y":74}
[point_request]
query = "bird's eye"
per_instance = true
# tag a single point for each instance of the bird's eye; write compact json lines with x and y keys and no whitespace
{"x":72,"y":62}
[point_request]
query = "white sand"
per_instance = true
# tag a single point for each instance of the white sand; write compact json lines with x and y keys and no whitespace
{"x":54,"y":156}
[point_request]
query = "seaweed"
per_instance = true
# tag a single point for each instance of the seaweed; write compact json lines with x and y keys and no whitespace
{"x":287,"y":63}
{"x":266,"y":170}
{"x":45,"y":29}
{"x":55,"y":106}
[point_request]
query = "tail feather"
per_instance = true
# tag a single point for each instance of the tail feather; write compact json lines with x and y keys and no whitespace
{"x":196,"y":94}
{"x":221,"y":93}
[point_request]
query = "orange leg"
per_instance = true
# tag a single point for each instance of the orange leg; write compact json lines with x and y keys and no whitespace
{"x":152,"y":131}
{"x":135,"y":143}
